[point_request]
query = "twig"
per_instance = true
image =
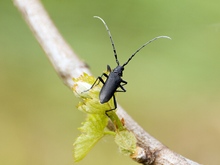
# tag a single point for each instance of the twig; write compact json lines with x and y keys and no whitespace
{"x":68,"y":65}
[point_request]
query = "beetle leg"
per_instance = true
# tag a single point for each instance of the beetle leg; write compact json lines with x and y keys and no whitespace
{"x":115,"y":104}
{"x":124,"y":82}
{"x":123,"y":89}
{"x":100,"y":80}
{"x":121,"y":86}
{"x":109,"y":69}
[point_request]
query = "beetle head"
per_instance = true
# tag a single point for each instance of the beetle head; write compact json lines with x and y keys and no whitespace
{"x":119,"y":70}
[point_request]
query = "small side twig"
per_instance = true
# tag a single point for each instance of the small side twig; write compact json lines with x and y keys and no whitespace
{"x":68,"y":65}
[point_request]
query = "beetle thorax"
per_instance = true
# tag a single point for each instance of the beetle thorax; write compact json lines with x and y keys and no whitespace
{"x":119,"y":70}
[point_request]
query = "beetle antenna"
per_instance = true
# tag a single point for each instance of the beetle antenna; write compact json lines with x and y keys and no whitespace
{"x":110,"y":36}
{"x":144,"y":46}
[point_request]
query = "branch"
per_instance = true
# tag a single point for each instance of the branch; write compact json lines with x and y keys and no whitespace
{"x":68,"y":65}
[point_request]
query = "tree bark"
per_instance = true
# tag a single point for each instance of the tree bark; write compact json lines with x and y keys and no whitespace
{"x":67,"y":65}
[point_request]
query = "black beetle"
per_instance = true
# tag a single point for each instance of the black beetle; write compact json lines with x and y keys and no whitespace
{"x":114,"y":80}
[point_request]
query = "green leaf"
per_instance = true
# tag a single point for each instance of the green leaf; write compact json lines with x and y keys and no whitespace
{"x":94,"y":128}
{"x":126,"y":142}
{"x":92,"y":131}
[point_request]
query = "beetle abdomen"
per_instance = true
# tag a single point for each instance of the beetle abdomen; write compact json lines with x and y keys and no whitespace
{"x":109,"y":88}
{"x":105,"y":95}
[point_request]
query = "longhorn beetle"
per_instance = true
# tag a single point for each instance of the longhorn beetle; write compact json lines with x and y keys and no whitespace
{"x":114,"y":80}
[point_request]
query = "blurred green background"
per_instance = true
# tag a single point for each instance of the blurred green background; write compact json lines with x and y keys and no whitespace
{"x":173,"y":88}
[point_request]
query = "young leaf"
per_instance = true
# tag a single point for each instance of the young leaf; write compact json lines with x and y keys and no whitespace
{"x":93,"y":130}
{"x":126,"y":142}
